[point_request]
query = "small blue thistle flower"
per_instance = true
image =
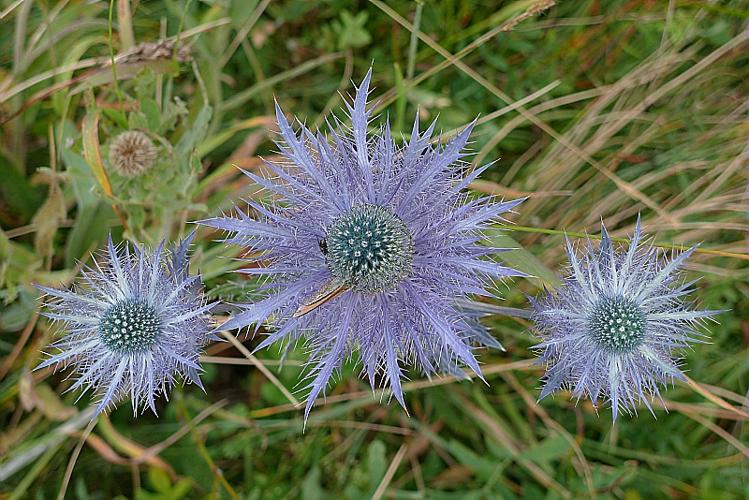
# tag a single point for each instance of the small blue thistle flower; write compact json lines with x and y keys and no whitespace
{"x":371,"y":249}
{"x":612,"y":329}
{"x":133,"y":327}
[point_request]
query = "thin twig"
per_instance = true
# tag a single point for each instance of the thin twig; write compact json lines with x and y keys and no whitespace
{"x":243,"y":32}
{"x":74,"y":458}
{"x":719,"y":431}
{"x":553,"y":424}
{"x":391,"y":95}
{"x":156,"y":449}
{"x":397,"y":459}
{"x":263,"y":369}
{"x":225,"y":360}
{"x":624,"y":186}
{"x":526,"y":364}
{"x":10,"y":9}
{"x":673,"y":246}
{"x":19,"y":345}
{"x":713,"y":398}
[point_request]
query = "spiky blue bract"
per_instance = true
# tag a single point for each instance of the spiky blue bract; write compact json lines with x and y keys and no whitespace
{"x":394,"y":225}
{"x":133,"y":325}
{"x":613,"y":330}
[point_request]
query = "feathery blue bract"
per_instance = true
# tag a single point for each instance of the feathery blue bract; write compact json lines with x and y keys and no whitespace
{"x":393,"y":227}
{"x":134,"y":325}
{"x":611,"y":331}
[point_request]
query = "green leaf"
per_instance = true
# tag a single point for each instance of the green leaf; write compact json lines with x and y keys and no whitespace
{"x":89,"y":231}
{"x":153,"y":114}
{"x":17,"y":193}
{"x":351,"y":30}
{"x":481,"y":466}
{"x":181,"y":488}
{"x":311,"y":489}
{"x":80,"y":179}
{"x":92,"y":150}
{"x":17,"y":267}
{"x":550,"y":448}
{"x":521,"y":259}
{"x":376,"y":463}
{"x":159,"y":479}
{"x":241,"y":11}
{"x":49,"y":403}
{"x":195,"y":133}
{"x":16,"y":315}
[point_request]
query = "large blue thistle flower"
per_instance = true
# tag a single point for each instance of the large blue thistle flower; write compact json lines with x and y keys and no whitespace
{"x":133,"y":325}
{"x":612,"y":329}
{"x":369,"y":248}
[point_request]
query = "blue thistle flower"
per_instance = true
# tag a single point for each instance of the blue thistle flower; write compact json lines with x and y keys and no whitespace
{"x":135,"y":325}
{"x":612,"y":329}
{"x":369,"y":248}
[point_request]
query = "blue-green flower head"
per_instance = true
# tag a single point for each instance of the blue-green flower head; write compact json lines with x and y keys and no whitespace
{"x":617,"y":324}
{"x":135,"y":324}
{"x":130,"y":326}
{"x":612,"y":331}
{"x":369,"y":248}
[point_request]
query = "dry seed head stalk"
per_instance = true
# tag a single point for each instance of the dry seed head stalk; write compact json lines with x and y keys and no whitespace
{"x":151,"y":51}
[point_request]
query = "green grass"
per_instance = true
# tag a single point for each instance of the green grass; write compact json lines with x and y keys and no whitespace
{"x":627,"y":107}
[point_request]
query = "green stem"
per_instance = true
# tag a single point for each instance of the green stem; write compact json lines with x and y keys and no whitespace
{"x":414,"y":41}
{"x":111,"y":53}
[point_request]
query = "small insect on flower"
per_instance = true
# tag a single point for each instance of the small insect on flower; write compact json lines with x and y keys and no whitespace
{"x":132,"y":153}
{"x":132,"y":326}
{"x":370,"y":248}
{"x":612,"y":329}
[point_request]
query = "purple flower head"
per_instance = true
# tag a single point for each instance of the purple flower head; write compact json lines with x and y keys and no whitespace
{"x":612,"y":329}
{"x":135,"y":323}
{"x":370,"y":248}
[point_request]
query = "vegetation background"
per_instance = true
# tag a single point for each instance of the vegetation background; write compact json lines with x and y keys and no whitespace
{"x":595,"y":109}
